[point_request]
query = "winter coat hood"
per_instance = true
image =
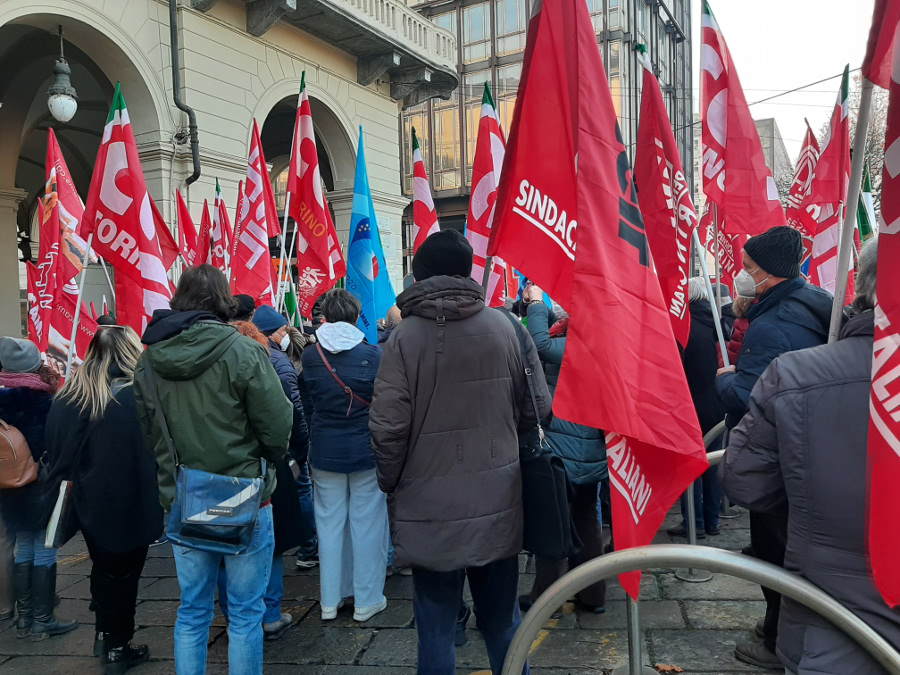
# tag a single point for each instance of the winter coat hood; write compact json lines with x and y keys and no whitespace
{"x":339,"y":336}
{"x":454,"y":298}
{"x":183,"y":345}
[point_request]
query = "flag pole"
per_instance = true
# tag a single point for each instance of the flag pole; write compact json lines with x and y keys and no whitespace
{"x":701,"y":253}
{"x":77,"y":317}
{"x":108,"y":278}
{"x":286,"y":257}
{"x":717,"y":301}
{"x":850,"y":209}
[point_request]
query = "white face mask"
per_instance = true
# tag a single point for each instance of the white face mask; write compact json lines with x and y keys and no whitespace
{"x":285,"y":343}
{"x":745,"y":285}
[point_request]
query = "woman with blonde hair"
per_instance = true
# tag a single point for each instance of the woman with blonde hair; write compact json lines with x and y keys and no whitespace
{"x":95,"y":440}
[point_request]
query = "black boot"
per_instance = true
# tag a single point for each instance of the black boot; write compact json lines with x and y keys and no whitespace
{"x":116,"y":661}
{"x":46,"y":624}
{"x":100,"y":644}
{"x":22,"y":586}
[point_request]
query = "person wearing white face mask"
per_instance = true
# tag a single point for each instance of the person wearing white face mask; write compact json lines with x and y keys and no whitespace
{"x":790,"y":314}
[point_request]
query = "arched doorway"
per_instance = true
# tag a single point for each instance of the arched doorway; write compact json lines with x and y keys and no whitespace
{"x":29,"y":46}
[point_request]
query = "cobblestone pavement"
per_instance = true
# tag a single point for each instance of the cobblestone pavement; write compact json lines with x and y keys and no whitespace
{"x":692,"y":626}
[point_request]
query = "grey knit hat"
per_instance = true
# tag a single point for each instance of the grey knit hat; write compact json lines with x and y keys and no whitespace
{"x":19,"y":356}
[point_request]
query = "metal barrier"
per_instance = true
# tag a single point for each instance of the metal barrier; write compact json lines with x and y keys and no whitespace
{"x":712,"y":559}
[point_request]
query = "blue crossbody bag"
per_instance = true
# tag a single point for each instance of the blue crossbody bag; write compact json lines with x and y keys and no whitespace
{"x":211,"y":512}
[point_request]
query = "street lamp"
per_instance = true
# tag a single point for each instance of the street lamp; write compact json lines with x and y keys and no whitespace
{"x":62,"y":101}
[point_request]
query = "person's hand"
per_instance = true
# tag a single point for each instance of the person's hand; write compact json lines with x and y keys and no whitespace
{"x":722,"y":371}
{"x":533,"y":293}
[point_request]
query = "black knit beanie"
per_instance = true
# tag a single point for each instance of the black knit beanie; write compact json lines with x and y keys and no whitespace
{"x":777,"y":251}
{"x":444,"y":253}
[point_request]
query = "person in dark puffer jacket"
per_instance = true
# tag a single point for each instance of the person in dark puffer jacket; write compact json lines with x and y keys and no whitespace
{"x":583,"y":451}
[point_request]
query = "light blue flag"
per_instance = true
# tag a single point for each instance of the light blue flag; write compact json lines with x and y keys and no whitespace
{"x":367,"y":275}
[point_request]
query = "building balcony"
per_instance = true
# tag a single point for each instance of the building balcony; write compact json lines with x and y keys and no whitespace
{"x":390,"y":40}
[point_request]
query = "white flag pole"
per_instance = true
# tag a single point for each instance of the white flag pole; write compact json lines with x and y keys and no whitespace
{"x":849,"y":219}
{"x":109,"y":282}
{"x":701,"y":253}
{"x":77,"y":317}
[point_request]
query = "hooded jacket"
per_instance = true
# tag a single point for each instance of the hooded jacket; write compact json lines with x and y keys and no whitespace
{"x":803,"y":445}
{"x":582,"y":449}
{"x":450,"y":393}
{"x":792,"y":315}
{"x":224,"y":405}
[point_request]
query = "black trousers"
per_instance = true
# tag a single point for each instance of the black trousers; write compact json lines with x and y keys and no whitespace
{"x":768,"y":539}
{"x":114,"y":589}
{"x":587,"y":524}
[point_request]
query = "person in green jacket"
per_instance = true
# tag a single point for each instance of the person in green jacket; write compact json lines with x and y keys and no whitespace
{"x":225,"y":410}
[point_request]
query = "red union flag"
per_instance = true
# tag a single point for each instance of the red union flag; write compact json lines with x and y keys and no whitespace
{"x":803,"y":176}
{"x":821,"y":210}
{"x":876,"y":66}
{"x":425,"y":220}
{"x":489,"y":153}
{"x":566,"y":145}
{"x":221,"y":234}
{"x":665,"y":200}
{"x":253,"y":268}
{"x":187,"y":232}
{"x":735,"y":175}
{"x":129,"y":230}
{"x":237,"y":218}
{"x":204,"y":238}
{"x":884,"y":425}
{"x":727,"y":248}
{"x":320,"y":262}
{"x":35,"y":316}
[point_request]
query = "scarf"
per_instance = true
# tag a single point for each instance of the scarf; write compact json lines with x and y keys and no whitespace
{"x":26,"y":381}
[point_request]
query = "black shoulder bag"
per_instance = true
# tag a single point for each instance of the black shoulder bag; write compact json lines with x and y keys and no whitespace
{"x":545,"y":486}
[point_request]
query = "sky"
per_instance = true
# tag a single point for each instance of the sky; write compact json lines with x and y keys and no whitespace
{"x":778,"y":45}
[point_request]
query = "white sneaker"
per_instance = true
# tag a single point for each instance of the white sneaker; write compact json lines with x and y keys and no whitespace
{"x":330,"y":613}
{"x":366,"y":613}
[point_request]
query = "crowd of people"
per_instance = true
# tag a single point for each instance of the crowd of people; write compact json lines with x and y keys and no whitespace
{"x":404,"y":457}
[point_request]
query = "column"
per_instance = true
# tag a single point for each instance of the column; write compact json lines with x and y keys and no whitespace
{"x":10,"y":298}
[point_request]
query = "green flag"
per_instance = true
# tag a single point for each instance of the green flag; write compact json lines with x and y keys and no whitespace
{"x":865,"y":214}
{"x":290,"y":306}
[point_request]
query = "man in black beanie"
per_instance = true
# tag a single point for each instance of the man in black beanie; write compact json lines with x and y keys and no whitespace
{"x":791,"y":314}
{"x":450,"y":392}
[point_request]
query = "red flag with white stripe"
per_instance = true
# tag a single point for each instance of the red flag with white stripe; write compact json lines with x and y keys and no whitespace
{"x":187,"y":231}
{"x":129,"y":230}
{"x":884,"y":425}
{"x":320,"y":262}
{"x":665,"y":201}
{"x":425,"y":220}
{"x":221,"y":234}
{"x":237,"y":218}
{"x":489,"y":153}
{"x":253,"y":269}
{"x":803,"y":176}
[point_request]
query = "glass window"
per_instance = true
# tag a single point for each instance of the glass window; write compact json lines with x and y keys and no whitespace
{"x":662,"y":53}
{"x":643,"y":21}
{"x":445,"y":117}
{"x":414,"y":118}
{"x":507,"y":87}
{"x":476,"y":33}
{"x":595,"y":7}
{"x":618,"y":61}
{"x":447,"y":21}
{"x":511,"y":24}
{"x":618,"y":15}
{"x":279,"y":187}
{"x":473,"y":86}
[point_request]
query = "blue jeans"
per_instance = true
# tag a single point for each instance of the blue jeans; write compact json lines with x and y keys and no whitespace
{"x":351,"y":518}
{"x":308,"y":517}
{"x":248,"y":576}
{"x":436,"y":603}
{"x":30,"y":548}
{"x":707,"y":501}
{"x":274,"y":591}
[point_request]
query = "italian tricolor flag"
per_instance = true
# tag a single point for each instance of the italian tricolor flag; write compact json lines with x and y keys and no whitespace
{"x":425,"y":220}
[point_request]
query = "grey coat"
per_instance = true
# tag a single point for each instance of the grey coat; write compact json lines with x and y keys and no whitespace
{"x":803,"y":442}
{"x":449,"y":396}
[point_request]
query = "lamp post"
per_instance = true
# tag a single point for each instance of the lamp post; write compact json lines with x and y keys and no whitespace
{"x":62,"y":97}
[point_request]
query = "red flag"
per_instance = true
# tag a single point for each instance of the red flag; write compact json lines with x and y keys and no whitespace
{"x":489,"y":153}
{"x":60,"y":330}
{"x":876,"y":66}
{"x":884,"y":425}
{"x":425,"y":220}
{"x":566,"y":145}
{"x":320,"y":262}
{"x":130,"y":231}
{"x":803,"y":176}
{"x":221,"y":234}
{"x":237,"y":218}
{"x":727,"y":249}
{"x":204,"y":238}
{"x":35,"y":316}
{"x":821,"y":211}
{"x":735,"y":175}
{"x":665,"y":200}
{"x":252,"y":269}
{"x":187,"y":231}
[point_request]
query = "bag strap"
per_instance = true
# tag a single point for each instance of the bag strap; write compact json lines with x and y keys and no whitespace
{"x":529,"y":374}
{"x":340,"y":382}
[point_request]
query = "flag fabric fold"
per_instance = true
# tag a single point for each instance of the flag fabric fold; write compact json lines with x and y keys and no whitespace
{"x":221,"y":234}
{"x":237,"y":219}
{"x":187,"y":231}
{"x":866,"y":222}
{"x":665,"y":201}
{"x":425,"y":220}
{"x":884,"y":421}
{"x":367,"y":275}
{"x":320,"y":262}
{"x":566,"y":154}
{"x":735,"y":175}
{"x":803,"y":176}
{"x":129,"y":232}
{"x":876,"y":65}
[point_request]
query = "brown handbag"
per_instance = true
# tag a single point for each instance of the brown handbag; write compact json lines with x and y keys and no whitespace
{"x":18,"y":468}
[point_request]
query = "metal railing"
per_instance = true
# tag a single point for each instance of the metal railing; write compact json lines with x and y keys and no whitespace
{"x":715,"y":560}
